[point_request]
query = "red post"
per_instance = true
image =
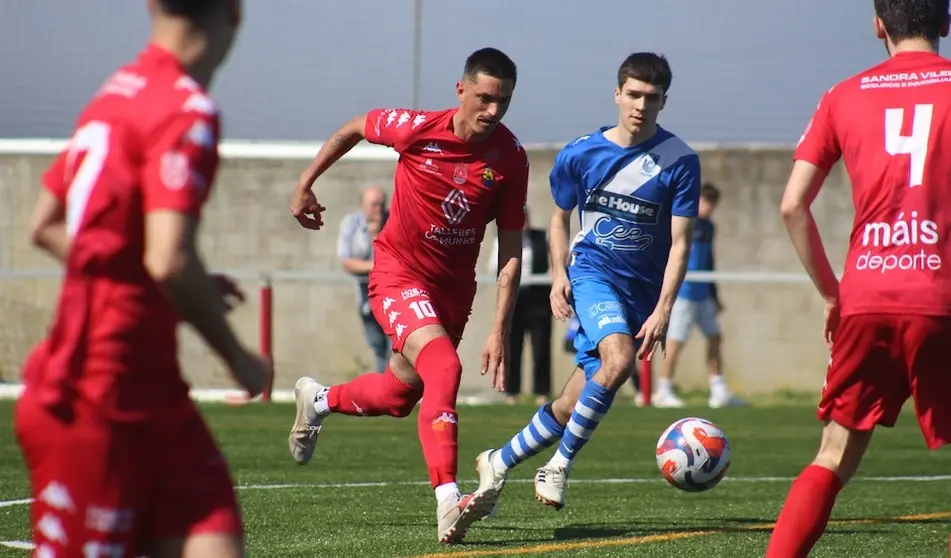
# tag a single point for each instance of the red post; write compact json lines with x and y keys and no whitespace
{"x":265,"y":332}
{"x":646,"y":380}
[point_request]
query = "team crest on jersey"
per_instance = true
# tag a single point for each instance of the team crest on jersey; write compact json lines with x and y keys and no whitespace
{"x":488,"y":177}
{"x":649,"y":168}
{"x":460,"y":173}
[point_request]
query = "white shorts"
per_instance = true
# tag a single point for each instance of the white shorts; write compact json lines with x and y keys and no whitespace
{"x":687,"y":313}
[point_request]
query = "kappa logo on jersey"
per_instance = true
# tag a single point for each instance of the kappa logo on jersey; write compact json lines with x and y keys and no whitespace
{"x":418,"y":120}
{"x":455,"y":207}
{"x":429,"y":166}
{"x":618,"y":235}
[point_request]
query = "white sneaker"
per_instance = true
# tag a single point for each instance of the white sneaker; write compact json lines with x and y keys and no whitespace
{"x":550,"y":485}
{"x":303,"y":437}
{"x":666,"y":400}
{"x":725,"y":399}
{"x":491,"y":482}
{"x":456,"y":514}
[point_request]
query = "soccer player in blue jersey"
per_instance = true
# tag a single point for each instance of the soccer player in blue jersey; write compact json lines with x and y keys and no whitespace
{"x":636,"y":187}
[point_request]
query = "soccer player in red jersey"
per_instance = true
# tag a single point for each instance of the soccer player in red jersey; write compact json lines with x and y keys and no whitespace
{"x":458,"y":170}
{"x":888,"y":324}
{"x":120,"y":461}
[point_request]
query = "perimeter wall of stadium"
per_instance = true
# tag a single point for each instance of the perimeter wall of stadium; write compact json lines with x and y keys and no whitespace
{"x":772,"y":329}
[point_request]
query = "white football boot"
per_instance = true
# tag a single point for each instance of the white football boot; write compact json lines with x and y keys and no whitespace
{"x":491,"y":482}
{"x":455,"y":514}
{"x":551,"y":482}
{"x":303,"y":437}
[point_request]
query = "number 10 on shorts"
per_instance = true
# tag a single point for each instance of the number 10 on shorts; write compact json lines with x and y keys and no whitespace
{"x":423,"y":309}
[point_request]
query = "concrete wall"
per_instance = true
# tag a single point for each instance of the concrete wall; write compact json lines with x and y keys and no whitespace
{"x":772,"y":330}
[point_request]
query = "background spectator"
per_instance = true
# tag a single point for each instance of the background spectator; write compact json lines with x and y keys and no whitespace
{"x":697,"y":304}
{"x":355,"y":251}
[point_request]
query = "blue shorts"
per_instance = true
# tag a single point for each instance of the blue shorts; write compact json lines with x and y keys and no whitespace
{"x":601,"y":311}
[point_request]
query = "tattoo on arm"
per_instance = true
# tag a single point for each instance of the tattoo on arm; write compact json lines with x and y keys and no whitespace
{"x":338,"y":140}
{"x":504,"y":279}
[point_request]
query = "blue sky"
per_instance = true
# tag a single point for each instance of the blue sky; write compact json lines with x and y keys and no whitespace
{"x":744,"y":70}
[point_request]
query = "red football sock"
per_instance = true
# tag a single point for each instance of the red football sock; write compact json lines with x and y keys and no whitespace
{"x":805,"y":514}
{"x":374,"y":394}
{"x":439,"y":367}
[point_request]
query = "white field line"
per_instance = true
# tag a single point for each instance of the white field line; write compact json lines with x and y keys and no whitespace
{"x":27,"y":545}
{"x":386,"y":484}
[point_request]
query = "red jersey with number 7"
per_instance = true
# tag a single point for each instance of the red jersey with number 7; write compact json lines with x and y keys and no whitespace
{"x":891,"y":125}
{"x":148,"y":141}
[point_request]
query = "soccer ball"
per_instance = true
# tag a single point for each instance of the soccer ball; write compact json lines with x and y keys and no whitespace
{"x":693,"y":454}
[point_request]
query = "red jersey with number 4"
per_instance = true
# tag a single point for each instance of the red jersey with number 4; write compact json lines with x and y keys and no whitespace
{"x":146,"y":142}
{"x":445,"y":192}
{"x":891,"y":125}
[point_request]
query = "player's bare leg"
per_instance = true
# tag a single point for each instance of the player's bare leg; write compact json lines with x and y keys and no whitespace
{"x":812,"y":496}
{"x":545,"y":428}
{"x":617,"y":358}
{"x":211,"y":545}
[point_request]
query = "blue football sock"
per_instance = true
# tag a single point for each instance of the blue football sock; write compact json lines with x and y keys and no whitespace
{"x":594,"y":402}
{"x":540,"y":433}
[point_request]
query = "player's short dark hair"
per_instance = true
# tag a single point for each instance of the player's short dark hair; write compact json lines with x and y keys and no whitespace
{"x":647,"y":67}
{"x":912,"y":19}
{"x":192,"y":9}
{"x":710,"y":192}
{"x":491,"y":62}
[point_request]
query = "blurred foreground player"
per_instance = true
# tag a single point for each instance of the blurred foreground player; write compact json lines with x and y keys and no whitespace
{"x":889,"y":322}
{"x":120,"y":209}
{"x":636,"y":187}
{"x":458,"y":170}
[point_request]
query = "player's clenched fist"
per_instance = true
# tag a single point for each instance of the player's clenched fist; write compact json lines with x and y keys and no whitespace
{"x":560,"y":297}
{"x":306,"y":210}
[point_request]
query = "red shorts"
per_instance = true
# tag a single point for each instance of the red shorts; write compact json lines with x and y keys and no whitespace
{"x":113,"y":489}
{"x":402,"y":304}
{"x":878,"y":362}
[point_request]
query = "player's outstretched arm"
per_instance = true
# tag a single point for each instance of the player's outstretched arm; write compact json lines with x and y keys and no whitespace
{"x":343,"y":140}
{"x":172,"y":260}
{"x":304,"y":206}
{"x":48,"y":226}
{"x":803,"y":186}
{"x":558,"y":243}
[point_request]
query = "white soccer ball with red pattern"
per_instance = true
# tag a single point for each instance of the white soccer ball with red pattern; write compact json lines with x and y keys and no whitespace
{"x":693,"y":454}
